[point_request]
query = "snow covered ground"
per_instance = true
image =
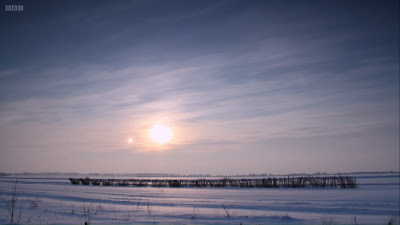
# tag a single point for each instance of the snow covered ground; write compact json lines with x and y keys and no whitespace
{"x":54,"y":200}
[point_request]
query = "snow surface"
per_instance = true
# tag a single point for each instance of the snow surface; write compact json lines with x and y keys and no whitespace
{"x":54,"y":200}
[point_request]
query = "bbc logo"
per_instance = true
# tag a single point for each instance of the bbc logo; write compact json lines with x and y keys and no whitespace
{"x":14,"y":8}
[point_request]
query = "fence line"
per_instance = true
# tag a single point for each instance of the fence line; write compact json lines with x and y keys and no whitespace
{"x":270,"y":182}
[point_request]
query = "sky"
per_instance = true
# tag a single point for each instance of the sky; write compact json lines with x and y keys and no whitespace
{"x":243,"y":86}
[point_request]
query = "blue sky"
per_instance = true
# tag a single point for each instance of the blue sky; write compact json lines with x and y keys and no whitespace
{"x":245,"y":86}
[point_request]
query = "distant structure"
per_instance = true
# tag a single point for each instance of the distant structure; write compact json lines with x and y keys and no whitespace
{"x":271,"y":182}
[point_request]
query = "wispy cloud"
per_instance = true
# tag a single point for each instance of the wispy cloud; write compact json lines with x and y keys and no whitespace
{"x":267,"y":105}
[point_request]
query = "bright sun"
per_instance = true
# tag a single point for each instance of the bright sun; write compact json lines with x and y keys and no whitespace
{"x":160,"y":134}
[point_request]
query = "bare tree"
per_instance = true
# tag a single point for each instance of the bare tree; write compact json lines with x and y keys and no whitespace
{"x":89,"y":210}
{"x":194,"y":213}
{"x":11,"y":203}
{"x":326,"y":220}
{"x":392,"y":221}
{"x":226,"y":211}
{"x":138,"y":203}
{"x":148,"y":208}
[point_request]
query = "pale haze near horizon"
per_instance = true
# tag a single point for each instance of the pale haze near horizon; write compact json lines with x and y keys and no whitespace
{"x":244,"y":86}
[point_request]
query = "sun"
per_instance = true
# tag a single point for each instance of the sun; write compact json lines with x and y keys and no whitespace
{"x":160,"y":134}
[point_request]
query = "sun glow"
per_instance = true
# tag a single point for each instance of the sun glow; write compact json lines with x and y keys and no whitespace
{"x":160,"y":134}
